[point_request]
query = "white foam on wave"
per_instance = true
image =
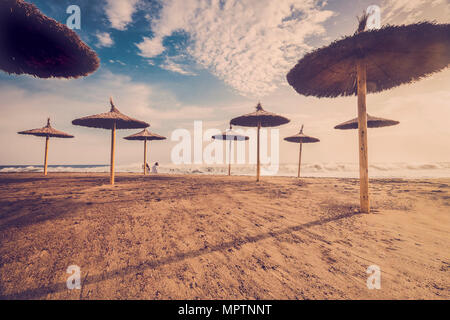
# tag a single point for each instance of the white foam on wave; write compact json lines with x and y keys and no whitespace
{"x":340,"y":170}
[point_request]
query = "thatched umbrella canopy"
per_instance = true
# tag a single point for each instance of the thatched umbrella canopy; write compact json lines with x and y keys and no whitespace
{"x":301,"y":138}
{"x":392,"y":55}
{"x":145,"y":136}
{"x":229,"y":135}
{"x":259,"y":118}
{"x":47,"y":132}
{"x":372,"y":61}
{"x":372,"y":122}
{"x":111,"y":120}
{"x":34,"y":44}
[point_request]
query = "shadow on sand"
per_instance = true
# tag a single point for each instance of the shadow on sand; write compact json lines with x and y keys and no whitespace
{"x":151,"y":264}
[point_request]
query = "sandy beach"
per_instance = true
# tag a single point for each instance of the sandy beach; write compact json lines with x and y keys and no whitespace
{"x":218,"y":237}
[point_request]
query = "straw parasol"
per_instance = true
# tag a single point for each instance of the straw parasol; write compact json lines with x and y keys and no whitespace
{"x":259,"y":118}
{"x":145,"y":135}
{"x":229,"y":135}
{"x":372,"y":61}
{"x":301,"y":138}
{"x":111,"y":120}
{"x":372,"y":122}
{"x":47,"y":132}
{"x":34,"y":44}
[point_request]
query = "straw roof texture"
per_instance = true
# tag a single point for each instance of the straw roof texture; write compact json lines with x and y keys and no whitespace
{"x":301,"y":138}
{"x":47,"y":131}
{"x":106,"y":120}
{"x":393,"y":55}
{"x":372,"y":122}
{"x":34,"y":44}
{"x":267,"y":119}
{"x":145,"y":135}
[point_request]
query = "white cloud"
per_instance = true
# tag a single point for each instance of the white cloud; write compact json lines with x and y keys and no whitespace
{"x":120,"y":12}
{"x":104,"y":39}
{"x":249,"y":44}
{"x":150,"y":47}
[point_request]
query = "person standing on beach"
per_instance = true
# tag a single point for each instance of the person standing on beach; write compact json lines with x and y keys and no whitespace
{"x":154,"y":168}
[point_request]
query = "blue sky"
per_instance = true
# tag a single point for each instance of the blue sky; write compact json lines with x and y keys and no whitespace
{"x":172,"y":62}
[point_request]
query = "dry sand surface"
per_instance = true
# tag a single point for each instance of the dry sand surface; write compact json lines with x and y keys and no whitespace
{"x":214,"y":237}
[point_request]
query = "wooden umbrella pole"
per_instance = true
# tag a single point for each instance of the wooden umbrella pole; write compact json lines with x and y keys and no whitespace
{"x":145,"y":157}
{"x":229,"y":158}
{"x":362,"y":130}
{"x":299,"y":159}
{"x":149,"y":150}
{"x":113,"y":150}
{"x":257,"y":155}
{"x":46,"y":155}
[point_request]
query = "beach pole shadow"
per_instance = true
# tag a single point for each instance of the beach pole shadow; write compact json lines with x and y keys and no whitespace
{"x":59,"y":287}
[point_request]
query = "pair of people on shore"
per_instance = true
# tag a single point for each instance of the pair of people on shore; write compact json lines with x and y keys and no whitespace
{"x":154,"y":167}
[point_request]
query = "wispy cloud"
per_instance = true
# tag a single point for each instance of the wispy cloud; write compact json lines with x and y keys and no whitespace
{"x":118,"y":61}
{"x":173,"y":66}
{"x":410,"y":11}
{"x":120,"y":12}
{"x":248,"y":44}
